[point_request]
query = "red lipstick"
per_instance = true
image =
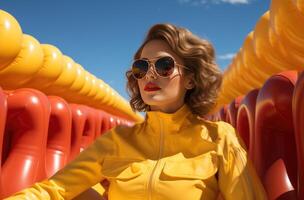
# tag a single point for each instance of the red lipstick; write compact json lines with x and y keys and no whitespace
{"x":151,"y":87}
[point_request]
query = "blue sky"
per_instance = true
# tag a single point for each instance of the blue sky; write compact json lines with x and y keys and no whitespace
{"x":102,"y":36}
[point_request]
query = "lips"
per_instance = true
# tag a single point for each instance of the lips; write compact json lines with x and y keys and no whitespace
{"x":151,"y":87}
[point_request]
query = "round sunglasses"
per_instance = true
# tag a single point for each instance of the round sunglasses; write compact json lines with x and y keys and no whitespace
{"x":163,"y":66}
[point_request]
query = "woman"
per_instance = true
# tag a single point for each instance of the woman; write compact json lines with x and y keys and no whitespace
{"x":174,"y":153}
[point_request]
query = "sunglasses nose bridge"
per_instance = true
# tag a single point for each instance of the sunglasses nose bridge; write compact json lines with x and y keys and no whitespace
{"x":151,"y":71}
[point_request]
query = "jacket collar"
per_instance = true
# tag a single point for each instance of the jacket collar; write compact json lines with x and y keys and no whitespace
{"x":170,"y":122}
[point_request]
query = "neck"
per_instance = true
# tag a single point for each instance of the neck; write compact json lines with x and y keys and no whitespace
{"x":170,"y":121}
{"x":167,"y":108}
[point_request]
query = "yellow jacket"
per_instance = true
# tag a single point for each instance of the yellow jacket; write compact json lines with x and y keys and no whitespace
{"x":168,"y":156}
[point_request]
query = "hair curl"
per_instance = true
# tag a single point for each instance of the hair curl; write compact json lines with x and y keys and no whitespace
{"x":197,"y":54}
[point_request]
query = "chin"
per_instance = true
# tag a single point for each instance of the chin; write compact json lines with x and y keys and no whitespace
{"x":155,"y":100}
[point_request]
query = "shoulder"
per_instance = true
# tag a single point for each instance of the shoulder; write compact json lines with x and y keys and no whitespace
{"x":229,"y":133}
{"x":220,"y":126}
{"x":126,"y":131}
{"x":229,"y":138}
{"x":225,"y":129}
{"x":216,"y":129}
{"x":219,"y":130}
{"x":113,"y":137}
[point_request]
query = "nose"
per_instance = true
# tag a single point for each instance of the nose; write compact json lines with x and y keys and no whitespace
{"x":151,"y":73}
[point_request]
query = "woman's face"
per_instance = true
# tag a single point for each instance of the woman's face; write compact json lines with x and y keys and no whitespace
{"x":170,"y":96}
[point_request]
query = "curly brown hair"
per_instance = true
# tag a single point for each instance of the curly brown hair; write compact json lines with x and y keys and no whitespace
{"x":198,"y":56}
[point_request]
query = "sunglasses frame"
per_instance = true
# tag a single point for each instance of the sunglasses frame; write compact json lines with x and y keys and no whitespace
{"x":154,"y":68}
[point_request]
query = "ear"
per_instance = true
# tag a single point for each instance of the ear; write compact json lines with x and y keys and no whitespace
{"x":190,"y":85}
{"x":189,"y":82}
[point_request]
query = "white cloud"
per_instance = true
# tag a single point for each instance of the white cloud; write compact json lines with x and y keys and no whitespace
{"x":227,"y":56}
{"x":236,"y":1}
{"x":202,"y":2}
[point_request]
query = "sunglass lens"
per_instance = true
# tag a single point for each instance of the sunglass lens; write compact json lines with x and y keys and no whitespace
{"x":164,"y":66}
{"x":140,"y":68}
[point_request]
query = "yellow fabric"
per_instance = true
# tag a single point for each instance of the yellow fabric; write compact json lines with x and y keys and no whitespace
{"x":94,"y":193}
{"x":169,"y":156}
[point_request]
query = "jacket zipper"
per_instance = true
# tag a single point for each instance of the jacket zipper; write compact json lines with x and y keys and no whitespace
{"x":152,"y":178}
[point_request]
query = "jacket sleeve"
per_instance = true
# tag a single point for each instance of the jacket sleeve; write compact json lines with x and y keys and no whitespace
{"x":75,"y":177}
{"x":237,"y":177}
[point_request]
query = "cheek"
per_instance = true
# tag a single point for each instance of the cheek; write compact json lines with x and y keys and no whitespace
{"x":174,"y":87}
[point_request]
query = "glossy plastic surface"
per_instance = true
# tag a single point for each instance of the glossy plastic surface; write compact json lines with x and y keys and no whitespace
{"x":24,"y":140}
{"x":274,"y":132}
